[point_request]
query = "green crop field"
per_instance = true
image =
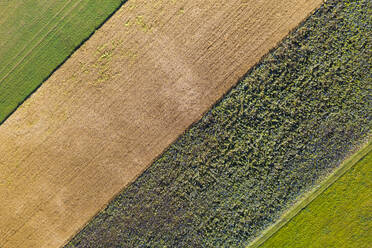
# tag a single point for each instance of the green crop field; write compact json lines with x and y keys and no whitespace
{"x":290,"y":122}
{"x":340,"y":217}
{"x":37,"y":36}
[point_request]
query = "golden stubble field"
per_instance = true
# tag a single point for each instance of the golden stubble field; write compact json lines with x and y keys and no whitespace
{"x":100,"y":120}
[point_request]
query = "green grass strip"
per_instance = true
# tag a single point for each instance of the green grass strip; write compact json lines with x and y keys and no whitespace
{"x":311,"y":196}
{"x":37,"y":37}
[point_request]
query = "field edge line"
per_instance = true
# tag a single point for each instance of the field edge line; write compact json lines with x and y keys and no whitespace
{"x":310,"y":196}
{"x":210,"y":107}
{"x":76,"y":48}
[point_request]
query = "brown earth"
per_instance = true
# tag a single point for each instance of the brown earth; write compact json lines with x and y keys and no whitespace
{"x":152,"y":70}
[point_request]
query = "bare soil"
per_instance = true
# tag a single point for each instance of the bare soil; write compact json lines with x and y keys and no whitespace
{"x":100,"y":120}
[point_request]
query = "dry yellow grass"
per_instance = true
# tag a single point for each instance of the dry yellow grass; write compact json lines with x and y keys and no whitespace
{"x":152,"y":70}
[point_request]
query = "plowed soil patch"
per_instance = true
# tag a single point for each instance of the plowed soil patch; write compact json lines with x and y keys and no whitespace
{"x":152,"y":70}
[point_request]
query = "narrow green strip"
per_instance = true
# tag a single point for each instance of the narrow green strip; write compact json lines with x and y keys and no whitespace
{"x":312,"y":195}
{"x":37,"y":37}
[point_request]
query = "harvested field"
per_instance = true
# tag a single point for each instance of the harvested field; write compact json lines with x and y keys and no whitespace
{"x":290,"y":122}
{"x":152,"y":70}
{"x":37,"y":36}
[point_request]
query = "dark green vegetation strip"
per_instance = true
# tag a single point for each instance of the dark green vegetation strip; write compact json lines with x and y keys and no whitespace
{"x":36,"y":37}
{"x":293,"y":119}
{"x":340,"y":217}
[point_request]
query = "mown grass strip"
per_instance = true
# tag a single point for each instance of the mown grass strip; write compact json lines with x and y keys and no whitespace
{"x":312,"y":195}
{"x":37,"y":37}
{"x":291,"y":121}
{"x":339,"y":217}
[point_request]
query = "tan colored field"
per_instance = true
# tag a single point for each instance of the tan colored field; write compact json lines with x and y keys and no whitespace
{"x":152,"y":70}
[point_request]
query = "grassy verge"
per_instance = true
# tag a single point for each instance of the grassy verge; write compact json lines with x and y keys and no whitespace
{"x":334,"y":205}
{"x":291,"y":121}
{"x":339,"y":217}
{"x":36,"y":37}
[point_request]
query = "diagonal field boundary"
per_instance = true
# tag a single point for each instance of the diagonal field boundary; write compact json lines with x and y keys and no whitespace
{"x":136,"y":85}
{"x":32,"y":41}
{"x":306,"y":199}
{"x":15,"y":90}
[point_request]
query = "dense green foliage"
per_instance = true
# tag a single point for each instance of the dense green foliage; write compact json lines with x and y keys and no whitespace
{"x":37,"y":36}
{"x":291,"y":121}
{"x":340,"y":217}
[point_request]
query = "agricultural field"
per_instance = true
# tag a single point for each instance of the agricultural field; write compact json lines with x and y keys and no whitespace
{"x":37,"y":36}
{"x":288,"y":124}
{"x":339,"y":217}
{"x":154,"y":68}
